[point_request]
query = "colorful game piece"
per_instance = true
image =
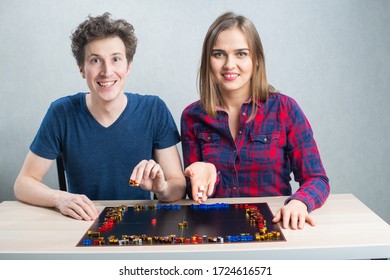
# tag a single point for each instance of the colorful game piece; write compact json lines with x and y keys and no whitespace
{"x":87,"y":242}
{"x":133,"y":183}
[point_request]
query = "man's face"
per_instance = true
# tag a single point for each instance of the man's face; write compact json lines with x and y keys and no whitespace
{"x":105,"y":68}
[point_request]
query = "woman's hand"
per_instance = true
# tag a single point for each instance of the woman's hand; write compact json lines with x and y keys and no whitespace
{"x":295,"y":214}
{"x":203,"y":176}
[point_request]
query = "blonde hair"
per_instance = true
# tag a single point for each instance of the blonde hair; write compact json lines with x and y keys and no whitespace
{"x":210,"y":96}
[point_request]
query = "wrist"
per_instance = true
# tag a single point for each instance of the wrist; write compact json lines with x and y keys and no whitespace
{"x":162,"y":191}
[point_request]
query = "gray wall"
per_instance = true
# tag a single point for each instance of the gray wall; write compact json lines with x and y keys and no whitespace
{"x":331,"y":56}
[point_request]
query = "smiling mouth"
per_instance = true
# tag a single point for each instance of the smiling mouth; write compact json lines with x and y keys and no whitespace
{"x":230,"y":76}
{"x":106,"y":84}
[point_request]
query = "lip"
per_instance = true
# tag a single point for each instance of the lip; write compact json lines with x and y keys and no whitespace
{"x":229,"y":76}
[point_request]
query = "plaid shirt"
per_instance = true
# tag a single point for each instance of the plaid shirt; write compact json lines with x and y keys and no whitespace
{"x":265,"y":152}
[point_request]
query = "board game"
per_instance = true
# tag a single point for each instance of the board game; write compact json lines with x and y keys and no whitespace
{"x":171,"y":224}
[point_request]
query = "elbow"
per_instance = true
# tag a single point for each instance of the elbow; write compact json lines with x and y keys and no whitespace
{"x":18,"y":188}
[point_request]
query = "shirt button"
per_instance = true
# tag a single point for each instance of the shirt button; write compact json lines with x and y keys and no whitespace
{"x":208,"y":138}
{"x":244,"y":114}
{"x":240,"y":132}
{"x":265,"y":139}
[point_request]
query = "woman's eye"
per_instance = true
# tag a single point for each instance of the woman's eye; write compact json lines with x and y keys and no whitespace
{"x":218,"y":54}
{"x":242,"y":54}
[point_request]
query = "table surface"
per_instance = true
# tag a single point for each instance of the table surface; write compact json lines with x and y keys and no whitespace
{"x":345,"y":229}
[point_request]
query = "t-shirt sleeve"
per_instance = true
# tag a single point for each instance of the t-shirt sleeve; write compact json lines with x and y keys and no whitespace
{"x":47,"y":141}
{"x":166,"y":134}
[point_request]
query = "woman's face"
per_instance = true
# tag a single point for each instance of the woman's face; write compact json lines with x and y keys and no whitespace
{"x":231,"y":63}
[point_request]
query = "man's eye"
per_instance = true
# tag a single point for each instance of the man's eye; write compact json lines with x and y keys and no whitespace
{"x":95,"y":60}
{"x":116,"y":59}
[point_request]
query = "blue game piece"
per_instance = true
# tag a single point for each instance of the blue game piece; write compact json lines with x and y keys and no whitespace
{"x":87,"y":242}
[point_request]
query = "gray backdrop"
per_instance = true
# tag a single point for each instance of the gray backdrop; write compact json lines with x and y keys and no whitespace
{"x":331,"y":56}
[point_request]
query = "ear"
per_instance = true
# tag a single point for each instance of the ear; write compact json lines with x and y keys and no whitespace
{"x":129,"y":68}
{"x":82,"y":71}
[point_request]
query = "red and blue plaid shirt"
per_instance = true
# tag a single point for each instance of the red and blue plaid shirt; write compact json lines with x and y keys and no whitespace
{"x":277,"y":142}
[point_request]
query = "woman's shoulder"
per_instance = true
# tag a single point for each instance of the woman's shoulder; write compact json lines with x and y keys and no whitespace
{"x":194,"y":106}
{"x":281,"y":97}
{"x":282,"y":100}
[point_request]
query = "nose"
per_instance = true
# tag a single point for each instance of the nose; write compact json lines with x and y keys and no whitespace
{"x":229,"y":62}
{"x":106,"y":70}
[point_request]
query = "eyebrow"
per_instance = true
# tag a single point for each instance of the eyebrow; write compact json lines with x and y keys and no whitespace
{"x":237,"y":50}
{"x":113,"y":54}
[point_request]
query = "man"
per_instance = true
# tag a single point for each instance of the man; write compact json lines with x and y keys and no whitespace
{"x":105,"y":136}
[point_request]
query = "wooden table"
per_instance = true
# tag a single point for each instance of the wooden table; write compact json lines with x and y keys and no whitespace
{"x":346,"y":229}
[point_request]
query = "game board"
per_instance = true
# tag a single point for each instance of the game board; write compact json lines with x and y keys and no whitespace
{"x":163,"y":224}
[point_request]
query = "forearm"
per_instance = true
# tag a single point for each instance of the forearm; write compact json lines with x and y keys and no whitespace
{"x":313,"y":192}
{"x":173,"y":191}
{"x":34,"y":192}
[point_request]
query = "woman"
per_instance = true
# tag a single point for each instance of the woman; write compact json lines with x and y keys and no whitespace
{"x":254,"y":136}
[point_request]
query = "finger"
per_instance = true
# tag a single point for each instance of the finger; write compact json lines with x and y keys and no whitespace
{"x":189,"y":172}
{"x":84,"y":210}
{"x":285,"y":219}
{"x":301,"y":221}
{"x":71,"y":213}
{"x":91,"y":209}
{"x":210,"y":189}
{"x":80,"y":205}
{"x":198,"y":192}
{"x":75,"y":211}
{"x":194,"y":191}
{"x":138,"y":171}
{"x":147,"y":169}
{"x":294,"y":221}
{"x":310,"y":220}
{"x":277,"y":217}
{"x":202,"y":193}
{"x":156,"y":169}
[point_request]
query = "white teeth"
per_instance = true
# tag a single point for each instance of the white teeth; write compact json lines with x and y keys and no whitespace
{"x":106,"y":84}
{"x":230,"y":75}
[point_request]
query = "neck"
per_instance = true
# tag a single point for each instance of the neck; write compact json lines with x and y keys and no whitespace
{"x":233,"y":102}
{"x":106,"y":113}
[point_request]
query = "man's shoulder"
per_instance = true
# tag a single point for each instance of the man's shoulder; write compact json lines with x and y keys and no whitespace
{"x":148,"y":102}
{"x":69,"y":100}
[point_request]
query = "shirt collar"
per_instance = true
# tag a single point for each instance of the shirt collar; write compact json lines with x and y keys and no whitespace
{"x":248,"y":102}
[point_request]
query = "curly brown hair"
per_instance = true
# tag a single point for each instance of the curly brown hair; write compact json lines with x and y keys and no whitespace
{"x":100,"y":27}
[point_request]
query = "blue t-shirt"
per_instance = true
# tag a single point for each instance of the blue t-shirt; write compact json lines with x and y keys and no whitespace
{"x":99,"y":160}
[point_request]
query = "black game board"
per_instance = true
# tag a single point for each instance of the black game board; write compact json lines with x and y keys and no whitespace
{"x":162,"y":224}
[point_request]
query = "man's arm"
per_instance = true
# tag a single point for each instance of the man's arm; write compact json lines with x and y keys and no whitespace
{"x":30,"y":189}
{"x":170,"y":162}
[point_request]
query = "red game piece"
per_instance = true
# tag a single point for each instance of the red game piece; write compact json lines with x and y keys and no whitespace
{"x":154,"y":221}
